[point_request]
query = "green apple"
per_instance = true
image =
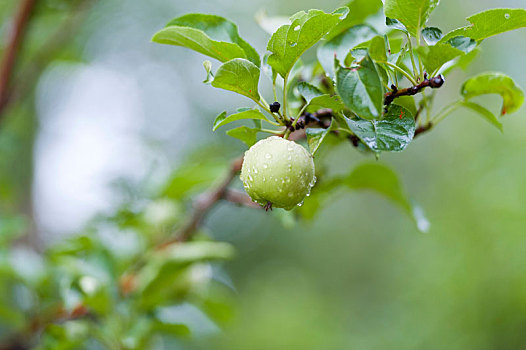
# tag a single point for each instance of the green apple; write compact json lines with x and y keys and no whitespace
{"x":278,"y":172}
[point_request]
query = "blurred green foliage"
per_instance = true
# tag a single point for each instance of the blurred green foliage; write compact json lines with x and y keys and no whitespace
{"x":359,"y":276}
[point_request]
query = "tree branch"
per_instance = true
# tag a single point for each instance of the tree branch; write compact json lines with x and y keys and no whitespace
{"x":23,"y":340}
{"x":240,"y":198}
{"x":202,"y":206}
{"x":12,"y":50}
{"x":26,"y":79}
{"x":423,"y":128}
{"x":433,"y":83}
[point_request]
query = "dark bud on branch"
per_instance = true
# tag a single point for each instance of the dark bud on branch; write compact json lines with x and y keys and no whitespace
{"x":433,"y":83}
{"x":274,"y":107}
{"x":437,"y":81}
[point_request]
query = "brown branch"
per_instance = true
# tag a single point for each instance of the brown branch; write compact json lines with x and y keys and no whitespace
{"x":202,"y":206}
{"x":433,"y":83}
{"x":240,"y":198}
{"x":26,"y":79}
{"x":423,"y":128}
{"x":12,"y":50}
{"x":24,"y":339}
{"x":418,"y":111}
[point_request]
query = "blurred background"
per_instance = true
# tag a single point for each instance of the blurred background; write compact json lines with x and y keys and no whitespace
{"x":102,"y":116}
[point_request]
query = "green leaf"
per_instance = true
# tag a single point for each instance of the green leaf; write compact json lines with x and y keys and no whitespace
{"x":483,"y":112}
{"x":316,"y":136}
{"x":198,"y":41}
{"x":463,"y":43}
{"x":308,"y":91}
{"x":395,"y":45}
{"x":210,"y":35}
{"x":412,"y":13}
{"x":377,"y":49}
{"x":317,"y":100}
{"x":359,"y":10}
{"x":164,"y":265}
{"x":489,"y":23}
{"x":361,"y":89}
{"x":340,"y":45}
{"x":356,"y":55}
{"x":289,"y":42}
{"x":245,"y":134}
{"x":395,"y":24}
{"x":434,"y":57}
{"x":191,"y":252}
{"x":178,"y":329}
{"x":199,"y":171}
{"x":408,"y":102}
{"x":319,"y":195}
{"x":12,"y":227}
{"x":495,"y":83}
{"x":462,"y":62}
{"x":238,"y":75}
{"x":432,"y":35}
{"x":194,"y":318}
{"x":223,"y":119}
{"x":392,"y":134}
{"x":325,"y":101}
{"x":383,"y":180}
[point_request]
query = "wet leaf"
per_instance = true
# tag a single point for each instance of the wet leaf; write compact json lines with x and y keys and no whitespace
{"x":413,"y":14}
{"x":392,"y":133}
{"x":495,"y":83}
{"x":224,"y":119}
{"x":434,"y":57}
{"x":245,"y":134}
{"x":210,"y":35}
{"x":361,"y":89}
{"x":238,"y":75}
{"x":484,"y":113}
{"x":432,"y":35}
{"x":289,"y":42}
{"x":489,"y":23}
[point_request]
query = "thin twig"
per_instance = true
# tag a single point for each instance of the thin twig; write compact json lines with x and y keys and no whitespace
{"x":16,"y":37}
{"x":203,"y":205}
{"x":23,"y":340}
{"x":433,"y":83}
{"x":423,"y":128}
{"x":26,"y":79}
{"x":240,"y":198}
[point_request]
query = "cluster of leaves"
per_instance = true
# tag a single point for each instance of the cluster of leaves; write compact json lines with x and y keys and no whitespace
{"x":366,"y":77}
{"x":117,"y":284}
